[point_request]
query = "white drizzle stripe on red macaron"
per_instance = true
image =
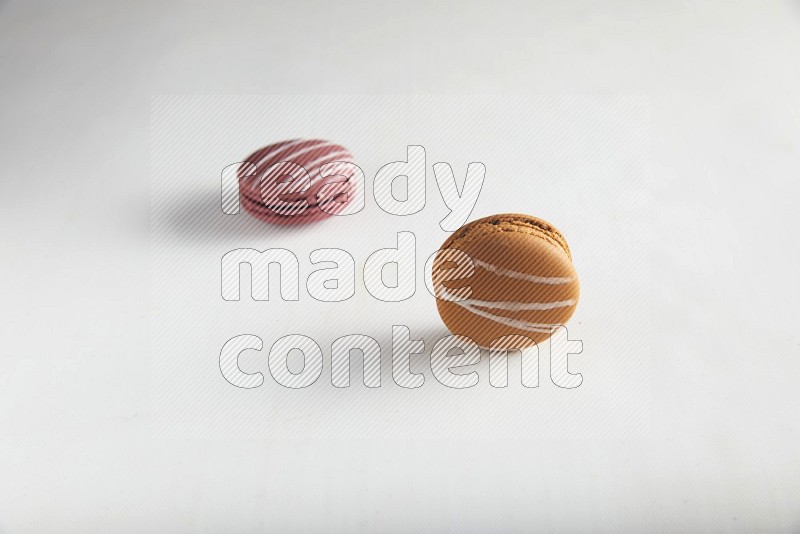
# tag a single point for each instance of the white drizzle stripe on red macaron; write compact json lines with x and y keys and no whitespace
{"x":293,"y":157}
{"x":276,"y":169}
{"x":313,"y":151}
{"x":335,"y":170}
{"x":272,"y":190}
{"x":277,"y":149}
{"x":334,"y":157}
{"x":549,"y":280}
{"x":338,"y":169}
{"x":318,"y":163}
{"x":269,"y":183}
{"x":274,"y":154}
{"x":286,"y":152}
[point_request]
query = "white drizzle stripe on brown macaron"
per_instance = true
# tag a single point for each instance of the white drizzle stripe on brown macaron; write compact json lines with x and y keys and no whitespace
{"x":475,"y":305}
{"x":509,"y":305}
{"x":549,"y":280}
{"x":500,"y":271}
{"x":519,"y":306}
{"x":541,"y":328}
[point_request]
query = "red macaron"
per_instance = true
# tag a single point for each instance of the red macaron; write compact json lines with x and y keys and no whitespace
{"x":300,"y":181}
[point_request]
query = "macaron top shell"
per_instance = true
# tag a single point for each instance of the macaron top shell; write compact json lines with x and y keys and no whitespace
{"x":523,"y":280}
{"x":264,"y":173}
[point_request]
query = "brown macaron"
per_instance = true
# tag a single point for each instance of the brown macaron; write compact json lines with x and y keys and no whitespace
{"x":520,"y":283}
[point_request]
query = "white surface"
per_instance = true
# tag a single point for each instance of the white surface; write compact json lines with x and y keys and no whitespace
{"x":581,"y":161}
{"x":80,"y":449}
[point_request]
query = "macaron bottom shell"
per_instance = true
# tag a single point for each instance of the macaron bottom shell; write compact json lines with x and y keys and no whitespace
{"x":303,"y":214}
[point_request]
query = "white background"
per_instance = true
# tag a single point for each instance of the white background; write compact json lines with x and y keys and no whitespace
{"x":582,"y":161}
{"x":715,"y":447}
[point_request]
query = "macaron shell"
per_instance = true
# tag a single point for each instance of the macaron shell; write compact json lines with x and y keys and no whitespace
{"x":312,"y":212}
{"x":261,"y":212}
{"x":264,"y":199}
{"x":524,"y":281}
